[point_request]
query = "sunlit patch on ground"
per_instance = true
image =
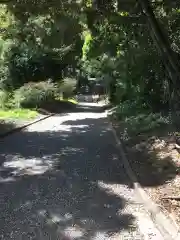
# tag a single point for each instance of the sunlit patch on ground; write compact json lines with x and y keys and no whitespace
{"x":16,"y":165}
{"x":115,"y":189}
{"x":31,"y":166}
{"x":69,"y":128}
{"x":73,"y":232}
{"x":59,"y":126}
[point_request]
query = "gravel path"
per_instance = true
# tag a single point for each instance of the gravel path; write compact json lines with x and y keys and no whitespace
{"x":62,"y":179}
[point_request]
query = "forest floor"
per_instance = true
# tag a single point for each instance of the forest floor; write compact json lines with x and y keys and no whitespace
{"x":155,"y":158}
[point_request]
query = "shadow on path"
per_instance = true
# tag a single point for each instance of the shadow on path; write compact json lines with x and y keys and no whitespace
{"x":6,"y":126}
{"x":56,"y":183}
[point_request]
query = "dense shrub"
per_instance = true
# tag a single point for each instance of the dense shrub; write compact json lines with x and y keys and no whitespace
{"x":137,"y":118}
{"x":68,"y":86}
{"x":130,"y":108}
{"x":145,"y":122}
{"x":4,"y":98}
{"x":32,"y":95}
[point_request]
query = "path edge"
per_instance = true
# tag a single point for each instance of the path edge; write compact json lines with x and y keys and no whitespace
{"x":165,"y":224}
{"x":19,"y":128}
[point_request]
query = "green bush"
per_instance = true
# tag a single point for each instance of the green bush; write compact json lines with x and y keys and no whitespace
{"x":68,"y":86}
{"x":137,"y":118}
{"x":129,"y":108}
{"x":4,"y":99}
{"x":32,"y":95}
{"x":146,"y":122}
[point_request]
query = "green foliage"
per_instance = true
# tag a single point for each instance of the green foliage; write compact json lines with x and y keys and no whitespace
{"x":67,"y":87}
{"x":136,"y":119}
{"x":130,"y":108}
{"x":42,"y":42}
{"x":58,"y":39}
{"x":128,"y":56}
{"x":32,"y":95}
{"x":4,"y":99}
{"x":144,"y":123}
{"x":87,"y":46}
{"x":23,"y":114}
{"x":33,"y":65}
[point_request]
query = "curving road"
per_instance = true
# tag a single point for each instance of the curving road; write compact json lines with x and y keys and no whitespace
{"x":63,"y":179}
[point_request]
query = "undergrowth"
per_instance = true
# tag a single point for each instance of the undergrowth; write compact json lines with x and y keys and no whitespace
{"x":136,"y":119}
